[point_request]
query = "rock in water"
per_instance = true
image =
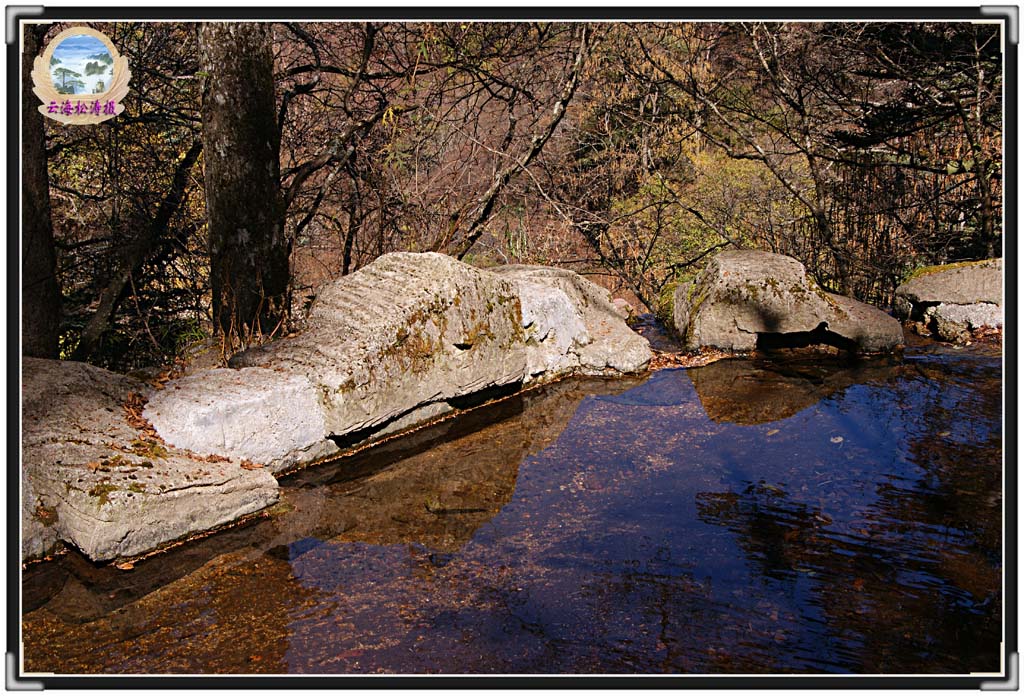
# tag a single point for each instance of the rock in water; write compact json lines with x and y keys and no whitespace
{"x":92,"y":479}
{"x":743,"y":296}
{"x":404,"y":340}
{"x":406,"y":333}
{"x":261,"y":415}
{"x":572,"y":325}
{"x":954,"y":299}
{"x":401,"y":341}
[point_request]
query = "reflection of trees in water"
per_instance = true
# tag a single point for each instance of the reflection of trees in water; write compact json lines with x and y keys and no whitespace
{"x":663,"y":620}
{"x":915,"y":581}
{"x":604,"y":576}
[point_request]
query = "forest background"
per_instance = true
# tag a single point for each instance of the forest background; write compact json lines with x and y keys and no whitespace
{"x":256,"y":161}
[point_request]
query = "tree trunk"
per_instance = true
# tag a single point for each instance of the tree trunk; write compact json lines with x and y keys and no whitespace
{"x":244,"y":205}
{"x":40,"y":292}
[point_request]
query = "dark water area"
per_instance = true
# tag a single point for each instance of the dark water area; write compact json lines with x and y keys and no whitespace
{"x":780,"y":515}
{"x":657,"y":335}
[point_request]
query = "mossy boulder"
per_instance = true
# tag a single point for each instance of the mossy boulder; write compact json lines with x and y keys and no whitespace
{"x":744,"y":298}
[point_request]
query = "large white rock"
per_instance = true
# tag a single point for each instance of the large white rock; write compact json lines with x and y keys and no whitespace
{"x":402,"y":341}
{"x":264,"y":416}
{"x":90,"y":480}
{"x":598,"y":340}
{"x":403,"y":333}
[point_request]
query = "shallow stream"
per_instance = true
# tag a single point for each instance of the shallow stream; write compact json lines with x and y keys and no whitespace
{"x":751,"y":516}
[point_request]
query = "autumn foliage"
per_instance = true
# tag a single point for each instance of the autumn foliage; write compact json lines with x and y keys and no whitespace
{"x":627,"y":151}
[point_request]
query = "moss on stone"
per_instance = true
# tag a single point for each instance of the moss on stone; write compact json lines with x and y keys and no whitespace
{"x":929,"y":270}
{"x":102,"y":491}
{"x":815,"y":288}
{"x":46,"y":515}
{"x":148,"y":448}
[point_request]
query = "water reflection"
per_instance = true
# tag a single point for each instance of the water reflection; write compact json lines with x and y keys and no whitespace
{"x":686,"y":524}
{"x":765,"y":389}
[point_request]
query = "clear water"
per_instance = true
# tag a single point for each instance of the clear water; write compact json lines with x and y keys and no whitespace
{"x":750,"y":516}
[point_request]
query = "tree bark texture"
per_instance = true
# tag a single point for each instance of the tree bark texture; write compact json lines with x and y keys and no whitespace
{"x":245,"y":210}
{"x":40,"y":292}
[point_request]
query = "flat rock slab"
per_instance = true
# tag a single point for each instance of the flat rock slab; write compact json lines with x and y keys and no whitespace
{"x":954,"y":299}
{"x":92,"y":480}
{"x":256,"y":414}
{"x":957,"y":283}
{"x":741,"y":295}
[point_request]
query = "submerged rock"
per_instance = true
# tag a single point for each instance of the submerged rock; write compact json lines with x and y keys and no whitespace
{"x":746,"y":298}
{"x":753,"y":392}
{"x":93,"y":480}
{"x":954,"y":299}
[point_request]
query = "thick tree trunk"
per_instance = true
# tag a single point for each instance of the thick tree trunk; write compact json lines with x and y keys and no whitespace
{"x":40,"y":292}
{"x":245,"y":211}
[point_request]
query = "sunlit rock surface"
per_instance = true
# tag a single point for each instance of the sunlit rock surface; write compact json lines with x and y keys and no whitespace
{"x":401,"y":342}
{"x":955,"y":299}
{"x":588,"y":335}
{"x":743,"y":297}
{"x":405,"y":331}
{"x":92,"y":479}
{"x":263,"y":416}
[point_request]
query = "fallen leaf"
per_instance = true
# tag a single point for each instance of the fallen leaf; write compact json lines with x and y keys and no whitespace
{"x":125,"y":566}
{"x":773,"y":431}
